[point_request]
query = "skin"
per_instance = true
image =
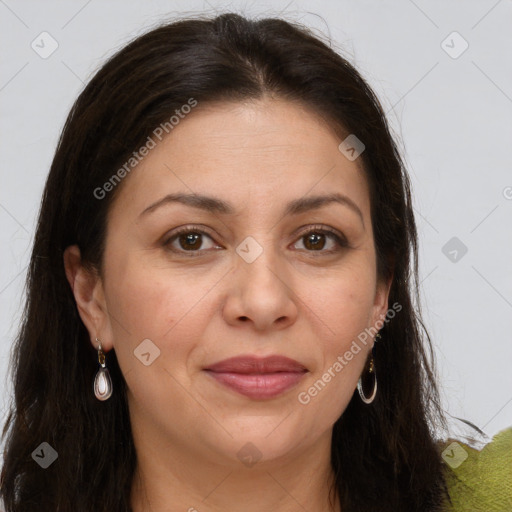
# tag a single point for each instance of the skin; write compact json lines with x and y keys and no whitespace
{"x":295,"y":299}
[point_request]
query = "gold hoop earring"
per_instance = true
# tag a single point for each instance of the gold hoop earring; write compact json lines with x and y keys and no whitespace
{"x":102,"y":381}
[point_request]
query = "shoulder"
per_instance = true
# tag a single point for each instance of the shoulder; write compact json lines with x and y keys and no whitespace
{"x":479,"y":480}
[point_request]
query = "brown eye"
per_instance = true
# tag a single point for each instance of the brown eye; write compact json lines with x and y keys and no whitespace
{"x":190,"y":241}
{"x":314,"y":241}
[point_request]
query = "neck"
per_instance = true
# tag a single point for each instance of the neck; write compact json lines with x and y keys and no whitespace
{"x":170,"y":478}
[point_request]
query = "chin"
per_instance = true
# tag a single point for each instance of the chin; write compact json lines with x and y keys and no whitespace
{"x":256,"y":442}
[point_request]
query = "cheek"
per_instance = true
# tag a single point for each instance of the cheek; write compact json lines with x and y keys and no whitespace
{"x":345,"y":304}
{"x":155,"y":303}
{"x":330,"y":387}
{"x":344,"y":307}
{"x":158,"y":318}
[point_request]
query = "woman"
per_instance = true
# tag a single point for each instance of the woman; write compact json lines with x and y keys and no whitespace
{"x":221,"y":297}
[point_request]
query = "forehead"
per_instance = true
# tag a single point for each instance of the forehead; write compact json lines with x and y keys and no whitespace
{"x":271,"y":151}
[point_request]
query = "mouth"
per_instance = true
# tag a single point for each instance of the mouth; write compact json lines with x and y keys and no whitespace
{"x":258,"y":378}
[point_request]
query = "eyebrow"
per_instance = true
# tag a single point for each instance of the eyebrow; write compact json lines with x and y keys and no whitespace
{"x":216,"y":205}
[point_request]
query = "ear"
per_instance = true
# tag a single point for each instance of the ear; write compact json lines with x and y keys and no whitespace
{"x":380,"y":306}
{"x":89,"y":295}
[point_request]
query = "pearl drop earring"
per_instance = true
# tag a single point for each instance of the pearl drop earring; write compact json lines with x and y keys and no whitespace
{"x":102,"y":380}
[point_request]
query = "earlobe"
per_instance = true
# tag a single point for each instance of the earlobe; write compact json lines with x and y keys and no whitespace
{"x":87,"y":289}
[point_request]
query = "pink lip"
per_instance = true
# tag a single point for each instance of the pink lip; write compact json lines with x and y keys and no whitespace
{"x":258,"y":378}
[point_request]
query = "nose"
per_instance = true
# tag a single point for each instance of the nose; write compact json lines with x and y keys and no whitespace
{"x":261,"y":294}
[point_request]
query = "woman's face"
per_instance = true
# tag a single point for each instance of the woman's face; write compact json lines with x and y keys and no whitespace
{"x":247,"y":280}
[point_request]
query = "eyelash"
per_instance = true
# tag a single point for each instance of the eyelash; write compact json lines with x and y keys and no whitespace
{"x":340,"y":240}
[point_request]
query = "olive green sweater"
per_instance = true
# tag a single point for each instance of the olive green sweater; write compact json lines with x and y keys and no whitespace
{"x":480,"y":481}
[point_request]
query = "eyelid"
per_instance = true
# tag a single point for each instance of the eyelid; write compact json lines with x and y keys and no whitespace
{"x":304,"y":230}
{"x":199,"y":228}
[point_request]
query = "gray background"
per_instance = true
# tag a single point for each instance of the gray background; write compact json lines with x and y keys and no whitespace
{"x":451,"y":111}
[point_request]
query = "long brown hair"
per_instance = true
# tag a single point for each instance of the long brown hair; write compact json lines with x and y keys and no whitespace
{"x":384,"y":455}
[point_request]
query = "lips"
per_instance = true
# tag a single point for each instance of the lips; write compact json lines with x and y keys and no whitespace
{"x":256,"y":377}
{"x":252,"y":364}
